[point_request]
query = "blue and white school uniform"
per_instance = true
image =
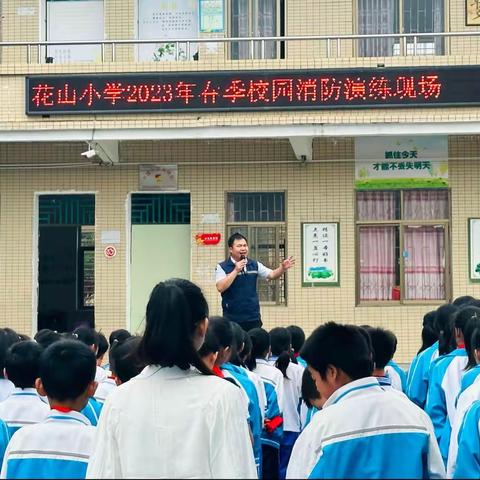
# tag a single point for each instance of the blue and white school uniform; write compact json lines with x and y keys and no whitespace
{"x":418,"y":375}
{"x":468,"y":460}
{"x":100,"y":375}
{"x":104,"y":389}
{"x":446,"y":376}
{"x":255,"y":416}
{"x":464,"y":401}
{"x":398,"y":376}
{"x":469,"y":377}
{"x":262,"y":396}
{"x":59,"y":447}
{"x":364,"y":431}
{"x":92,"y":411}
{"x":6,"y":388}
{"x":23,"y":407}
{"x":4,"y":439}
{"x":292,"y":395}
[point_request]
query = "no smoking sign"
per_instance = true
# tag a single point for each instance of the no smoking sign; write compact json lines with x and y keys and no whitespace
{"x":110,"y":251}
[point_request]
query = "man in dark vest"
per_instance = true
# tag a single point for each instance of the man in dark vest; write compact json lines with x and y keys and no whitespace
{"x":236,"y":280}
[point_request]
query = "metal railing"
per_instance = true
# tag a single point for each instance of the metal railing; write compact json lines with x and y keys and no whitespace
{"x":332,"y":45}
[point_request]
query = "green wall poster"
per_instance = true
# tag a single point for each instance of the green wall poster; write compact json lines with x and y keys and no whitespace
{"x":401,"y":162}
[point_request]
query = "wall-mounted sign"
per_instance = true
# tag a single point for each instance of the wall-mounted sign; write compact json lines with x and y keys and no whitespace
{"x":474,"y":249}
{"x":208,"y":238}
{"x":110,"y":251}
{"x":253,"y":90}
{"x":401,"y":162}
{"x":158,"y":177}
{"x":320,"y":263}
{"x":211,"y":16}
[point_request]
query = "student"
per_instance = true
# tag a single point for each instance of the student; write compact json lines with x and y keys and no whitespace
{"x":311,"y":398}
{"x":90,"y":338}
{"x":102,"y":348}
{"x":209,"y":350}
{"x":230,"y":368}
{"x":4,"y":439}
{"x":124,"y":360}
{"x":60,"y":446}
{"x":395,"y":372}
{"x":472,"y":369}
{"x":298,"y":339}
{"x":7,"y":338}
{"x":445,"y":383}
{"x":118,"y":335}
{"x":24,"y":406}
{"x":417,"y":378}
{"x":273,"y":383}
{"x":400,"y":442}
{"x":45,"y":337}
{"x":465,"y":399}
{"x":188,"y":422}
{"x":108,"y":384}
{"x":292,"y":392}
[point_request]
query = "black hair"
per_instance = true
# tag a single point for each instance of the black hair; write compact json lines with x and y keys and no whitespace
{"x":119,"y":335}
{"x":260,"y":346}
{"x":429,"y":319}
{"x":383,"y":344}
{"x":45,"y":337}
{"x":298,"y":337}
{"x":174,"y":310}
{"x":444,"y":328}
{"x":21,"y":363}
{"x":235,"y":236}
{"x":247,"y":349}
{"x":222,"y":329}
{"x":124,"y":361}
{"x":364,"y":329}
{"x":281,"y":343}
{"x":67,"y":367}
{"x":237,"y":344}
{"x":471,"y":321}
{"x":475,"y":339}
{"x":342,"y":346}
{"x":210,"y":344}
{"x":24,"y":337}
{"x":463,"y":300}
{"x":102,"y":345}
{"x":86,"y":335}
{"x":7,"y":338}
{"x":309,"y":389}
{"x":429,"y":337}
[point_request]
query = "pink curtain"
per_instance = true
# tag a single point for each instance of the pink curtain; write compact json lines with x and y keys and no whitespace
{"x":425,"y":263}
{"x":377,"y":262}
{"x":425,"y":204}
{"x":377,"y":245}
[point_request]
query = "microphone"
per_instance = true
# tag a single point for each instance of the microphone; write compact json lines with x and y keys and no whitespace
{"x":243,"y":257}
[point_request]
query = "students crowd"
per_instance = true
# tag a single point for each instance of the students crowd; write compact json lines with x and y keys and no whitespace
{"x":198,"y":397}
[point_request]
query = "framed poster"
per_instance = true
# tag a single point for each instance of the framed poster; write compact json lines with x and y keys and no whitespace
{"x":211,"y":16}
{"x":474,"y":249}
{"x":158,"y":177}
{"x":320,"y":254}
{"x":472,"y":10}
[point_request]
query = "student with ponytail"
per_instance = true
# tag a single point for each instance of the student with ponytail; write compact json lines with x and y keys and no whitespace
{"x":281,"y":346}
{"x":176,"y":419}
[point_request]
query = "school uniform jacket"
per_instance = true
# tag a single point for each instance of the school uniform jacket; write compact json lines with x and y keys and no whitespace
{"x":23,"y":407}
{"x":445,"y":381}
{"x":59,"y":447}
{"x":104,"y":389}
{"x":173,"y":423}
{"x":364,"y":431}
{"x":398,"y":376}
{"x":418,"y":375}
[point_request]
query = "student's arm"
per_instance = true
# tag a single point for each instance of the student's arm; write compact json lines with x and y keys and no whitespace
{"x":105,"y":461}
{"x":284,"y":266}
{"x":416,"y":383}
{"x":224,"y":281}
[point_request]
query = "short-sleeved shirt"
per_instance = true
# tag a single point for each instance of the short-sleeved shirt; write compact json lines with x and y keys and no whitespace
{"x":263,"y":271}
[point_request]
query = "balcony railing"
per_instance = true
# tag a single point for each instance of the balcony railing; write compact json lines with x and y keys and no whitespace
{"x":257,"y":48}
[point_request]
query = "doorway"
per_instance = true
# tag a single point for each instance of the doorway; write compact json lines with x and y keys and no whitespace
{"x":66,"y":262}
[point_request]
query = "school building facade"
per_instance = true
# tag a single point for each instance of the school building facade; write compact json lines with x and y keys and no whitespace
{"x":348,"y":138}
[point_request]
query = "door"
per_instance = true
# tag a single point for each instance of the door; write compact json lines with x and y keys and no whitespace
{"x":66,"y":262}
{"x":160,"y":247}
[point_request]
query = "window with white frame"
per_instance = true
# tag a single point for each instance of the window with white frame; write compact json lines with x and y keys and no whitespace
{"x":169,"y":20}
{"x":400,"y":16}
{"x":402,"y":239}
{"x":74,"y":20}
{"x":260,"y":217}
{"x":257,"y":18}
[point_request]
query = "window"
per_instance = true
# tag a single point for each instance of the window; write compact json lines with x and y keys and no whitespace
{"x":257,"y":18}
{"x":170,"y":21}
{"x":400,"y":16}
{"x":86,"y":270}
{"x":403,"y":245}
{"x":261,"y":218}
{"x":69,"y":20}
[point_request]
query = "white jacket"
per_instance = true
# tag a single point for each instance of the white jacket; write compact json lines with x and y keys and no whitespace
{"x":172,"y":423}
